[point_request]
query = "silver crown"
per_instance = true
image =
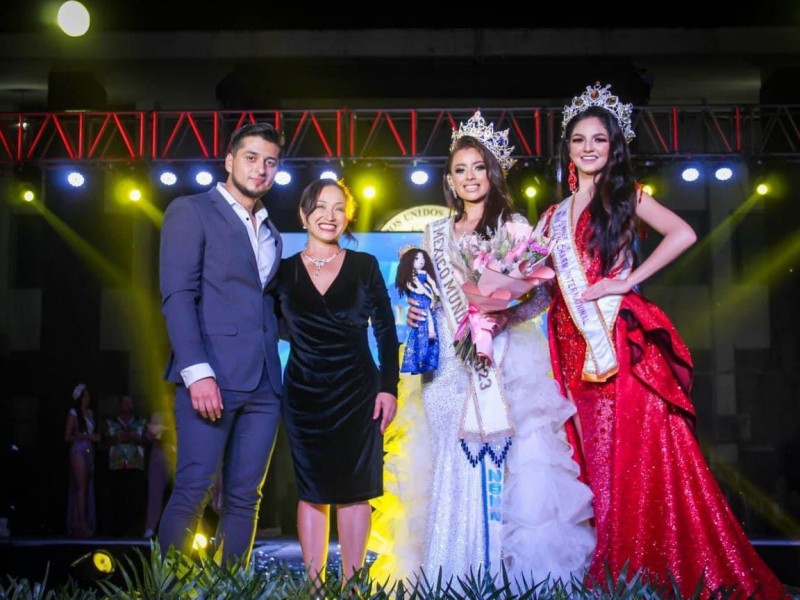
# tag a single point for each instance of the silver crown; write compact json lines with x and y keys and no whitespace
{"x":78,"y":391}
{"x":495,"y":141}
{"x":597,"y":95}
{"x":405,"y":248}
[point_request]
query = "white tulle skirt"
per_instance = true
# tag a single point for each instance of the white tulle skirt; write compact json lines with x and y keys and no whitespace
{"x":431,"y":516}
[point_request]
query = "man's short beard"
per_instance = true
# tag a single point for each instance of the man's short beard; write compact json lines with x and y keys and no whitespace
{"x":248,"y":193}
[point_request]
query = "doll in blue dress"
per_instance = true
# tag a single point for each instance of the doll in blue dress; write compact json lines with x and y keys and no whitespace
{"x":414,"y":281}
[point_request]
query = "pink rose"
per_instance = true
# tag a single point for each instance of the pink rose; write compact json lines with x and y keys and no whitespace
{"x":518,"y":231}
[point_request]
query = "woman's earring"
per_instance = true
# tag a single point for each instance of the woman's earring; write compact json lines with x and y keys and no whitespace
{"x":452,"y":189}
{"x":572,"y":180}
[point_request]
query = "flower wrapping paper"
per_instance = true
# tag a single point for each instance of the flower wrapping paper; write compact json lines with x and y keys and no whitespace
{"x":496,"y":273}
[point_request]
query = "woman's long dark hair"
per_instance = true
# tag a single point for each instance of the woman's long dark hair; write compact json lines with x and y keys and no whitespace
{"x":405,"y":270}
{"x":613,"y":206}
{"x":83,"y":426}
{"x":499,"y":204}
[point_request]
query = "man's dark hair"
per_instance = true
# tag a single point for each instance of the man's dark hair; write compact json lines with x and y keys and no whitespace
{"x":263,"y":130}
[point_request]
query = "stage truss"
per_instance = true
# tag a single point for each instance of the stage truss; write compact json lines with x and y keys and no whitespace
{"x":399,"y":136}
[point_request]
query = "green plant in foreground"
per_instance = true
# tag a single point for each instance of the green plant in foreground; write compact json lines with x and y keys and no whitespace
{"x":180,"y":577}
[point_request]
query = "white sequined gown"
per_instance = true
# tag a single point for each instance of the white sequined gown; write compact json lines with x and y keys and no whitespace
{"x":546,"y":531}
{"x":546,"y":509}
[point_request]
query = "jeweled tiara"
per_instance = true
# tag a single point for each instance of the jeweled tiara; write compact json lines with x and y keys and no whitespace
{"x":598,"y":95}
{"x":495,"y":141}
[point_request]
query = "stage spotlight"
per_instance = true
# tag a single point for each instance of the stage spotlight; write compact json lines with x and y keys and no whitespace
{"x":723,"y":173}
{"x":532,"y":180}
{"x":328,"y":174}
{"x":204,"y":177}
{"x":73,"y":18}
{"x":690,"y":174}
{"x":168,"y":178}
{"x":131,"y":183}
{"x":76,"y":179}
{"x":200,"y":541}
{"x":27,"y":183}
{"x":24,"y":192}
{"x":369,"y":192}
{"x":762,"y":189}
{"x":649,"y":189}
{"x":283,"y":177}
{"x":419,"y":176}
{"x":99,"y":564}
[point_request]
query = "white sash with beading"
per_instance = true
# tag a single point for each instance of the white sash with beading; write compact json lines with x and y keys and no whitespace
{"x":486,"y":427}
{"x":595,"y":318}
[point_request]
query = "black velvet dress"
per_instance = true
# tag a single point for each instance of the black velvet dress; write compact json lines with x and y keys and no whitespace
{"x":331,"y":380}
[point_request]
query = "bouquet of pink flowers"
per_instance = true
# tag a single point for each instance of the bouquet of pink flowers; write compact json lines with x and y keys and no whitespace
{"x":496,"y":272}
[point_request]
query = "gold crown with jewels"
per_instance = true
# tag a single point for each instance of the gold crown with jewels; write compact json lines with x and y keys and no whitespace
{"x":495,"y":141}
{"x":599,"y":95}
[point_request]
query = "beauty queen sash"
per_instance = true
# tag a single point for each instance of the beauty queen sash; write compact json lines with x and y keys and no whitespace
{"x":594,"y":319}
{"x":486,"y":427}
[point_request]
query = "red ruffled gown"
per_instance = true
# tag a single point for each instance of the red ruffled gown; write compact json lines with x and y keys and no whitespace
{"x":657,"y":503}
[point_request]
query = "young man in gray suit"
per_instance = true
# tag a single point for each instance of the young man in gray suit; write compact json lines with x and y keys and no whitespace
{"x":219,"y":256}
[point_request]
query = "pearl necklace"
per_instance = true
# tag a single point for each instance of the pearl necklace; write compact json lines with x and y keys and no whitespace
{"x":320,"y":262}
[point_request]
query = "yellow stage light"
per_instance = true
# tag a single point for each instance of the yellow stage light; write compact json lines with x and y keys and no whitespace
{"x":130,"y":185}
{"x":26,"y":185}
{"x":103,"y":562}
{"x":200,"y":541}
{"x":99,"y":564}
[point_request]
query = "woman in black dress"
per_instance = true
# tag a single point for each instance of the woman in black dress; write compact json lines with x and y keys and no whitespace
{"x":337,"y":402}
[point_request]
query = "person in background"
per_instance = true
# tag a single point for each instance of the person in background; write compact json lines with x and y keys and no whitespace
{"x":160,"y":462}
{"x":126,"y":441}
{"x":658,"y":509}
{"x":219,"y":256}
{"x":337,"y":401}
{"x":80,"y":434}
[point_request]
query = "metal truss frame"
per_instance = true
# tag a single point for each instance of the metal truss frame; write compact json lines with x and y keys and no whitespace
{"x":399,"y":136}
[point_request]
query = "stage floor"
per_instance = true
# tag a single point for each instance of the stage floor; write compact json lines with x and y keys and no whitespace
{"x":34,"y":557}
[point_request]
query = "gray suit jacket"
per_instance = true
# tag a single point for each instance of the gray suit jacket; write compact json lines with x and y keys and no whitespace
{"x":215,"y":308}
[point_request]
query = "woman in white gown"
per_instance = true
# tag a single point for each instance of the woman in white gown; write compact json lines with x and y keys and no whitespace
{"x":486,"y":478}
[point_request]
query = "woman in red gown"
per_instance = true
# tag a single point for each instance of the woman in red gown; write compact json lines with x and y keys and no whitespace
{"x":658,"y":507}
